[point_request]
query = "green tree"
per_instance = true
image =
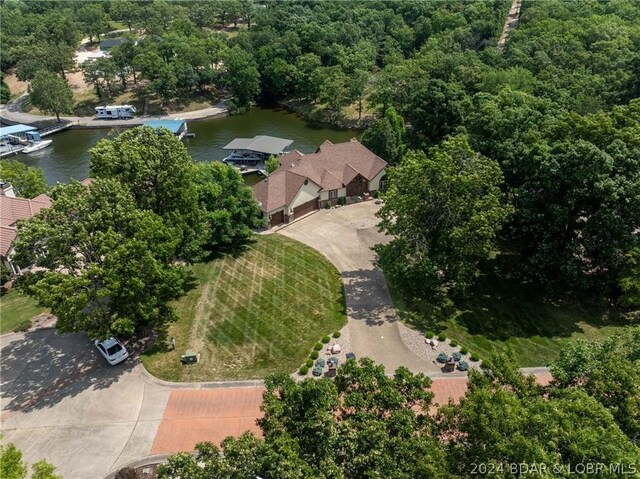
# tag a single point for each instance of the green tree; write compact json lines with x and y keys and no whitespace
{"x":27,"y":181}
{"x":51,"y":94}
{"x":44,"y":470}
{"x":109,"y":267}
{"x":125,"y":11}
{"x":11,"y":465}
{"x":335,"y":89}
{"x":242,"y":76}
{"x":93,"y":20}
{"x":155,"y":167}
{"x":229,"y":207}
{"x":5,"y":92}
{"x":497,"y":425}
{"x":609,"y":371}
{"x":385,"y":136}
{"x":102,"y":73}
{"x":443,"y":210}
{"x":630,"y":281}
{"x":272,"y":164}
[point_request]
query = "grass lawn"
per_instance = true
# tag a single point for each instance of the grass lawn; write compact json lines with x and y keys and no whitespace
{"x":16,"y":308}
{"x":504,"y":312}
{"x":253,"y":314}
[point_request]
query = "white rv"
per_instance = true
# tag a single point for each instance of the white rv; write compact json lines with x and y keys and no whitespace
{"x":115,"y":111}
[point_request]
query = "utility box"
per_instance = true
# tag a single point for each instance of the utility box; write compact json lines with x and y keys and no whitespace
{"x":189,"y":357}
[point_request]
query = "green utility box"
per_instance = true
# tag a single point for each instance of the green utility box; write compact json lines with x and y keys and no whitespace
{"x":189,"y":357}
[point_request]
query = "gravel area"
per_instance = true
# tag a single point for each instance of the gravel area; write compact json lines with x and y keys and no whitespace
{"x":419,"y":345}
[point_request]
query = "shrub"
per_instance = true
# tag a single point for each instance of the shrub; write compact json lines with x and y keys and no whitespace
{"x":127,"y":473}
{"x":22,"y":326}
{"x":327,"y":205}
{"x":463,"y":366}
{"x":429,"y":334}
{"x":309,"y":363}
{"x":475,"y":357}
{"x":320,"y":362}
{"x":456,"y":356}
{"x":442,"y":357}
{"x":342,"y":201}
{"x":453,"y":343}
{"x":303,"y":370}
{"x":318,"y":347}
{"x":375,"y":194}
{"x":442,"y":337}
{"x":337,"y":334}
{"x":464,"y":350}
{"x":326,"y":339}
{"x":314,"y":355}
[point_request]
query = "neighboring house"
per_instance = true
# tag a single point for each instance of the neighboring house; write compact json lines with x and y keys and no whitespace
{"x":305,"y":183}
{"x":13,"y":209}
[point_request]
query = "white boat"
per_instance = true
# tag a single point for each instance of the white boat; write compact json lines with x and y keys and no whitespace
{"x":36,"y":146}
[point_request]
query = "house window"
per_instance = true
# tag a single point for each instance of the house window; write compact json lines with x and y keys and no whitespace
{"x":384,"y":183}
{"x":333,"y":194}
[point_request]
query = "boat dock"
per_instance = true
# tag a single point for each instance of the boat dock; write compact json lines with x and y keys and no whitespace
{"x":50,"y":130}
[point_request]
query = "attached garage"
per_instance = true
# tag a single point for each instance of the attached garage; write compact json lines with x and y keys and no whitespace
{"x":305,"y":208}
{"x":276,"y":219}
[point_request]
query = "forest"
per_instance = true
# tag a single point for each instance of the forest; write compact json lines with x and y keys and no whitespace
{"x":544,"y":137}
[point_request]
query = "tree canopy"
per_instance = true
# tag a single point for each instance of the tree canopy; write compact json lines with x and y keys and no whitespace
{"x":444,"y":210}
{"x":51,"y":93}
{"x":27,"y":181}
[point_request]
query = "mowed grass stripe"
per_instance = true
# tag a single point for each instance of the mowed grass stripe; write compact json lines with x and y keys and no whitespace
{"x":255,"y":314}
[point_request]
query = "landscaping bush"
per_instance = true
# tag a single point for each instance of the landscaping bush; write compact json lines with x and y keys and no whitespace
{"x":22,"y":326}
{"x":429,"y":334}
{"x":314,"y":355}
{"x":464,"y":350}
{"x":442,"y":337}
{"x":342,"y":201}
{"x":327,"y":205}
{"x":456,"y":356}
{"x":326,"y":339}
{"x":318,"y":346}
{"x":375,"y":194}
{"x":453,"y":343}
{"x":475,"y":357}
{"x":303,"y":370}
{"x":127,"y":473}
{"x":442,"y":358}
{"x":337,"y":334}
{"x":463,"y":366}
{"x":309,"y":362}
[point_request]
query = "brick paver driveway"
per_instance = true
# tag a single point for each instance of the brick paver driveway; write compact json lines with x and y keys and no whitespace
{"x":345,"y":236}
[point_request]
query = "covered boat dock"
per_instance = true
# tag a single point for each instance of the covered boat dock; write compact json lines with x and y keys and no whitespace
{"x":13,"y":139}
{"x":177,"y":127}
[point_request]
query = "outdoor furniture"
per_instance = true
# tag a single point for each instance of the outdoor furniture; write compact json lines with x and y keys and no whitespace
{"x":456,"y":356}
{"x":332,"y":361}
{"x":317,"y":371}
{"x":189,"y":357}
{"x":450,"y":366}
{"x":442,"y":358}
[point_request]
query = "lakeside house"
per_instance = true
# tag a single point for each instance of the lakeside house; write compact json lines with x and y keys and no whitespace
{"x":12,"y":209}
{"x":304,"y":183}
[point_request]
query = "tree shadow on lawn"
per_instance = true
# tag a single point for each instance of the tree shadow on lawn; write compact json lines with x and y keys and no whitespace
{"x":45,"y":367}
{"x":235,"y":250}
{"x":502,"y":306}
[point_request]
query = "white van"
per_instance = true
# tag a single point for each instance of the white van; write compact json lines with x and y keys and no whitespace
{"x":115,"y":111}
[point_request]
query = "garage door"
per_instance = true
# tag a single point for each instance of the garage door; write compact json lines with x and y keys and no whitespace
{"x":305,"y":208}
{"x":276,"y":219}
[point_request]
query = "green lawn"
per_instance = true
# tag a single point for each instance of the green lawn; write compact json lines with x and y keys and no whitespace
{"x":501,"y":313}
{"x":16,"y":308}
{"x":253,"y":314}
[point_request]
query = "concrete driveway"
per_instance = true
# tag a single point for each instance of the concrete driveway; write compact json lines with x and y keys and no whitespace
{"x":62,"y":402}
{"x":345,"y":236}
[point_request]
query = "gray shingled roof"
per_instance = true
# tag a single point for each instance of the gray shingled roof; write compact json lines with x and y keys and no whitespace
{"x":261,"y":143}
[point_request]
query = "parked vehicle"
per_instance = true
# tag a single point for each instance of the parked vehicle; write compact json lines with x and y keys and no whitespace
{"x":115,"y":111}
{"x":112,"y":350}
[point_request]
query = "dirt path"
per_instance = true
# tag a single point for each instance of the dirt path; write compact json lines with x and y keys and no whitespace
{"x":512,"y":22}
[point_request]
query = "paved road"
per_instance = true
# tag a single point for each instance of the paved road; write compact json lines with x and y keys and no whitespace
{"x":345,"y":236}
{"x":13,"y":114}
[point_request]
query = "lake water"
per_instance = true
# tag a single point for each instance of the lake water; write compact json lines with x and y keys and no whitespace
{"x":68,"y":155}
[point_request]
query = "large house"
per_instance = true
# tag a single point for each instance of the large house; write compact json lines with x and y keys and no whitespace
{"x":305,"y":183}
{"x":13,"y":209}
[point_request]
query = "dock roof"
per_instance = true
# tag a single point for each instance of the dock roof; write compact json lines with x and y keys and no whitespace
{"x":15,"y":129}
{"x":261,"y":144}
{"x":173,"y":126}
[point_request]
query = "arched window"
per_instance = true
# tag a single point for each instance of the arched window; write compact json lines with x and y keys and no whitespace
{"x":384,"y":183}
